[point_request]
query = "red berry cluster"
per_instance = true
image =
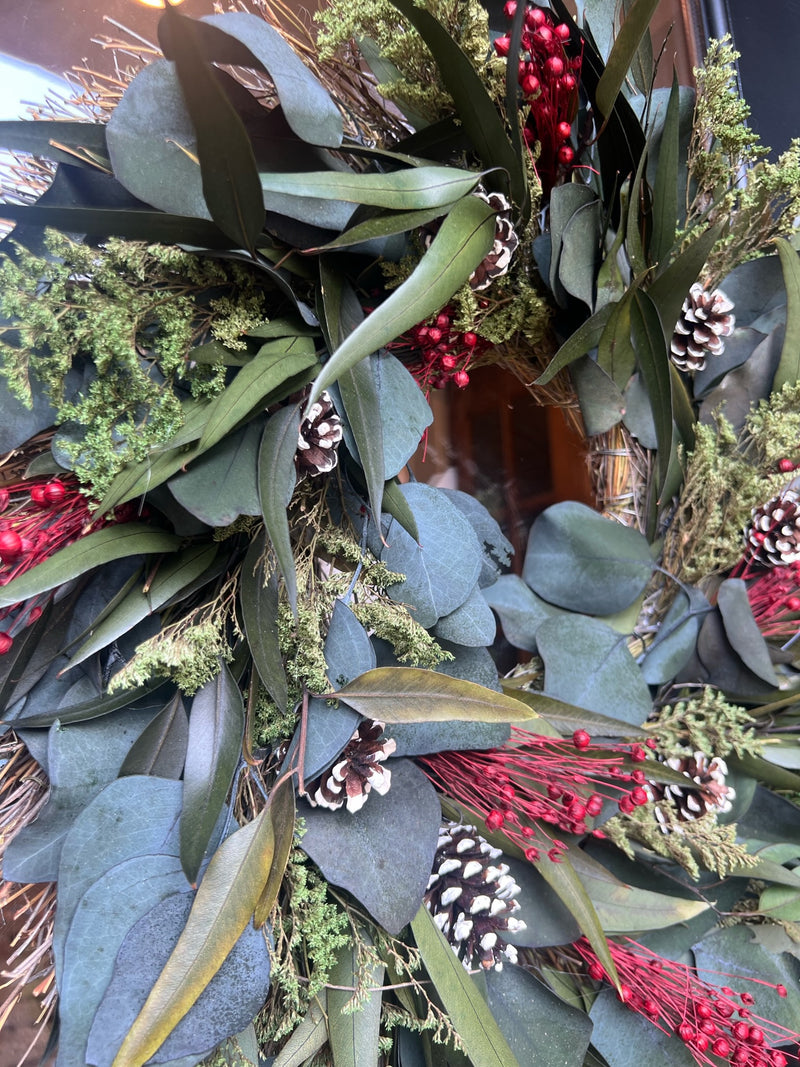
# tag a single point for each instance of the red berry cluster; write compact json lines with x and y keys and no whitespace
{"x":549,"y":78}
{"x":774,"y":597}
{"x":535,"y":783}
{"x":37,"y":517}
{"x":436,"y":353}
{"x":708,"y":1020}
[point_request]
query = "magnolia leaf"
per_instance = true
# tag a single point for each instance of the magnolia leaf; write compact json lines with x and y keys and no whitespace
{"x":277,"y":360}
{"x":216,"y":731}
{"x":625,"y":909}
{"x":647,"y":335}
{"x":281,"y":813}
{"x":221,"y":485}
{"x":608,"y":682}
{"x":277,"y":477}
{"x":224,"y":1007}
{"x":561,"y":1032}
{"x":354,"y":1033}
{"x":383,"y":853}
{"x":520,"y":610}
{"x":469,"y":1013}
{"x":160,"y":749}
{"x":412,"y":189}
{"x":409,"y":694}
{"x":626,"y":45}
{"x":93,"y":550}
{"x":258,"y":600}
{"x":104,"y":915}
{"x":742,"y":629}
{"x":464,"y":239}
{"x":566,"y":718}
{"x":308,"y":1037}
{"x":228,"y":894}
{"x":665,"y":188}
{"x":788,"y":371}
{"x":584,"y":562}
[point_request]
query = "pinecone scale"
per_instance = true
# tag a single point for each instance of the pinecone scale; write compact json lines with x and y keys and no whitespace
{"x":704,"y":321}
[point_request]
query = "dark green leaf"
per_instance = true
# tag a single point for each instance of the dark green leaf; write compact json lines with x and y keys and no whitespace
{"x":580,"y":244}
{"x":469,"y":1013}
{"x":416,"y":188}
{"x":665,"y":189}
{"x":625,"y":48}
{"x":565,"y":202}
{"x":671,"y":288}
{"x":216,"y":731}
{"x":394,"y":504}
{"x":788,"y":371}
{"x":608,"y":682}
{"x":464,"y":239}
{"x":160,"y":749}
{"x":359,"y":850}
{"x":83,"y":140}
{"x":276,"y":481}
{"x":626,"y":1039}
{"x":87,"y":709}
{"x":354,"y":1029}
{"x":676,"y":638}
{"x":721,"y":666}
{"x":471,"y":624}
{"x":222,"y":484}
{"x":615,"y":352}
{"x":601,"y":401}
{"x":258,"y":599}
{"x":307,"y":1039}
{"x":584,"y":562}
{"x":627,"y":909}
{"x":647,"y":335}
{"x":477,"y":110}
{"x":383,"y":225}
{"x":93,"y":550}
{"x":586,"y":337}
{"x":742,"y":629}
{"x":281,"y":813}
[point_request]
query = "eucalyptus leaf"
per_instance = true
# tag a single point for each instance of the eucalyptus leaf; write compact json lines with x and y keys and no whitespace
{"x":383,"y":853}
{"x":216,"y":732}
{"x":160,"y":749}
{"x":472,"y":623}
{"x":742,"y":630}
{"x":625,"y":1038}
{"x":608,"y":682}
{"x":581,"y":561}
{"x":547,"y":920}
{"x":638,"y":417}
{"x":600,"y":398}
{"x":676,"y":637}
{"x":497,"y":549}
{"x":222,"y":484}
{"x":565,"y":201}
{"x":625,"y":47}
{"x":422,"y":738}
{"x":580,"y":245}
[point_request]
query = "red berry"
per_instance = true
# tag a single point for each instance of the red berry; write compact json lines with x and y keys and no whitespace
{"x":535,"y":17}
{"x":581,"y":740}
{"x":38,"y":497}
{"x":701,"y":1042}
{"x":563,"y":130}
{"x":531,"y":85}
{"x":779,"y":1060}
{"x":685,"y":1033}
{"x":54,"y":492}
{"x":510,"y":8}
{"x":565,"y":154}
{"x":793,"y":604}
{"x":638,"y":754}
{"x":780,"y":990}
{"x":756,"y":1036}
{"x":721,"y":1047}
{"x":625,"y":805}
{"x":495,"y":819}
{"x":461,"y":378}
{"x":639,"y":796}
{"x":34,"y":615}
{"x":568,"y":82}
{"x":544,"y":35}
{"x":10,"y":544}
{"x":596,"y":972}
{"x":442,"y":320}
{"x":704,"y":1010}
{"x":532,"y":855}
{"x":470,"y":339}
{"x":624,"y":993}
{"x":594,"y":805}
{"x":740,"y":1031}
{"x":5,"y":643}
{"x":651,"y":743}
{"x":747,"y":998}
{"x":502,"y":45}
{"x":786,"y":465}
{"x":562,"y":31}
{"x":554,"y":66}
{"x":449,"y":362}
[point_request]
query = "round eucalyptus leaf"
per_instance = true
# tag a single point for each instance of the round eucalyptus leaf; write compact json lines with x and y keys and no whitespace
{"x":584,"y":562}
{"x":520,"y":610}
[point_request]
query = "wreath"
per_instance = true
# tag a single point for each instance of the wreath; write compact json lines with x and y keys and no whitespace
{"x":267,"y":796}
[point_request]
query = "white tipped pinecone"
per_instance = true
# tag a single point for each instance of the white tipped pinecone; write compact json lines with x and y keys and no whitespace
{"x":773,"y":536}
{"x":357,"y":771}
{"x":471,"y":898}
{"x":498,"y":260}
{"x":711,"y":792}
{"x":704,"y":320}
{"x":319,"y":437}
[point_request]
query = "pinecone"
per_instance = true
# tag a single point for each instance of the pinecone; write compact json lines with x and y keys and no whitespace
{"x":705,"y":319}
{"x":712,"y":794}
{"x":319,"y":435}
{"x":471,"y":899}
{"x":773,"y":536}
{"x":498,"y":261}
{"x":357,"y":771}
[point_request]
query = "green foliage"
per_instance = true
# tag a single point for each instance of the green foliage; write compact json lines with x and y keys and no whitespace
{"x":708,"y":724}
{"x":774,"y":427}
{"x":187,"y":651}
{"x":418,"y":85}
{"x":412,"y":644}
{"x":135,"y":312}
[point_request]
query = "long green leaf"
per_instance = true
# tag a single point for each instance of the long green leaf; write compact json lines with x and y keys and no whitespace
{"x":309,"y":1037}
{"x":671,"y":288}
{"x":160,"y":749}
{"x":586,"y":337}
{"x":788,"y":371}
{"x":223,"y":906}
{"x":415,"y":188}
{"x":354,"y":1033}
{"x":216,"y":731}
{"x":469,"y":1013}
{"x":137,"y":605}
{"x":87,"y":709}
{"x":625,"y":47}
{"x":384,"y":226}
{"x":477,"y":110}
{"x":46,"y":138}
{"x":410,"y":694}
{"x":282,"y":816}
{"x":665,"y":187}
{"x":464,"y":239}
{"x":276,"y":361}
{"x":231,"y":186}
{"x":395,"y":504}
{"x":113,"y":542}
{"x":647,"y":335}
{"x":136,"y":225}
{"x":259,"y":605}
{"x":615,"y":353}
{"x":276,"y":482}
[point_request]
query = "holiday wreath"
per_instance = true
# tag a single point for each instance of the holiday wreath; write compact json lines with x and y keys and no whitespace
{"x":265,"y":797}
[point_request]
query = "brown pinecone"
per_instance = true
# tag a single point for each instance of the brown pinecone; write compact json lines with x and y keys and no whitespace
{"x":472,"y":899}
{"x":357,"y":771}
{"x":773,"y":536}
{"x":498,"y":261}
{"x":712,"y":794}
{"x":704,"y":320}
{"x":319,"y":436}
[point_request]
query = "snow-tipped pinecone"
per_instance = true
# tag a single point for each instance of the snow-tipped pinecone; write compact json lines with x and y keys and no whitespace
{"x":319,"y":436}
{"x":704,"y":320}
{"x":472,"y":899}
{"x":357,"y":771}
{"x":712,"y":793}
{"x":498,"y":261}
{"x":773,"y":535}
